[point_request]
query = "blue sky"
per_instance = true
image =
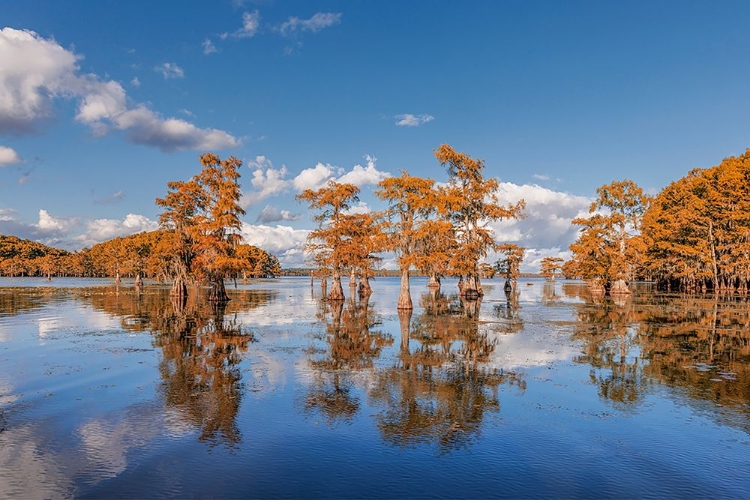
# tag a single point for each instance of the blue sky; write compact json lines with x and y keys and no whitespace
{"x":102,"y":103}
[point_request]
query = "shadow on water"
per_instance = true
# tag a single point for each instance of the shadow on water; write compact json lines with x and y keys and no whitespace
{"x":698,"y":344}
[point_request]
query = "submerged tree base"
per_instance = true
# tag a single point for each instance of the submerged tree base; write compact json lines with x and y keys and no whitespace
{"x":619,"y":287}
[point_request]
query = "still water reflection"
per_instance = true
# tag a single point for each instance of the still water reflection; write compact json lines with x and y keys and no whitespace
{"x":545,"y":391}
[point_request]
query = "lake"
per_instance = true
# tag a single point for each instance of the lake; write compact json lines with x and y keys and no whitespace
{"x":546,"y":392}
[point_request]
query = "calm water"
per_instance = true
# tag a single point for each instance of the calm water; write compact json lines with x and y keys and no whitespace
{"x":545,"y":393}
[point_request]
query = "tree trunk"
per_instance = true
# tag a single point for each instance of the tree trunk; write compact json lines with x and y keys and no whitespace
{"x":337,"y":291}
{"x":404,"y":320}
{"x":365,"y":290}
{"x":434,"y":281}
{"x":471,"y":289}
{"x":404,"y":295}
{"x":352,"y":278}
{"x":179,"y":288}
{"x":138,"y":281}
{"x":117,"y":278}
{"x":218,"y":292}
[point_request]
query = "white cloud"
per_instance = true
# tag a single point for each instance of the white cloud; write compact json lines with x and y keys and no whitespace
{"x":50,"y":224}
{"x":36,"y":71}
{"x":546,"y":230}
{"x":313,"y":178}
{"x":319,"y":21}
{"x":135,"y":82}
{"x":49,"y":229}
{"x":105,"y":229}
{"x":8,"y":156}
{"x":361,"y":176}
{"x":209,"y":47}
{"x":266,"y":181}
{"x":145,"y":127}
{"x":284,"y":242}
{"x":170,"y":70}
{"x":360,"y":208}
{"x":409,"y":120}
{"x":541,"y":177}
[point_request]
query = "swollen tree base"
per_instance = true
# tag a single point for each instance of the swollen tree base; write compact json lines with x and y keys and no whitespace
{"x":337,"y":291}
{"x":619,"y":287}
{"x":404,"y":295}
{"x":218,"y":292}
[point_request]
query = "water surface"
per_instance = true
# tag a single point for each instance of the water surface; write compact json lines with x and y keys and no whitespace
{"x":546,"y":392}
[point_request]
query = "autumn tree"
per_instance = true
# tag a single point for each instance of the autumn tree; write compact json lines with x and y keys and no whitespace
{"x":606,"y":248}
{"x":550,"y":266}
{"x":472,"y":203}
{"x":204,"y":214}
{"x":435,"y":246}
{"x":697,"y":229}
{"x":411,"y":201}
{"x":330,"y":244}
{"x":509,"y":264}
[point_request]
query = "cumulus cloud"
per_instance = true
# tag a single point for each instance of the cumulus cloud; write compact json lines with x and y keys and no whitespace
{"x":37,"y":70}
{"x":361,"y":176}
{"x":316,"y":23}
{"x":314,"y":178}
{"x":267,"y":181}
{"x":272,"y":214}
{"x":546,"y":230}
{"x":541,"y":177}
{"x":409,"y":120}
{"x":135,"y":82}
{"x":55,"y":225}
{"x":66,"y":232}
{"x":8,"y":156}
{"x":170,"y":70}
{"x":49,"y":229}
{"x":105,"y":229}
{"x":34,"y":70}
{"x":285,"y":242}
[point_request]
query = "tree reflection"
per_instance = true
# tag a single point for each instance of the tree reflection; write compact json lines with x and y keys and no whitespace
{"x":609,"y":334}
{"x":202,"y":346}
{"x":352,"y":346}
{"x":440,"y":391}
{"x":18,"y":300}
{"x":510,"y":312}
{"x":697,"y":343}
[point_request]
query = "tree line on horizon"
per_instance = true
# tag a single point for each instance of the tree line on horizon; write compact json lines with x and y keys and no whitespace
{"x":139,"y":255}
